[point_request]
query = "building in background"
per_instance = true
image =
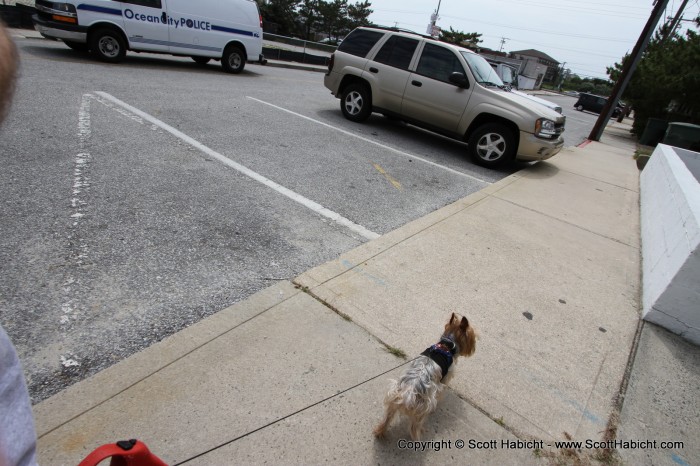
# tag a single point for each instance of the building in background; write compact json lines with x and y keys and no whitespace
{"x":538,"y":66}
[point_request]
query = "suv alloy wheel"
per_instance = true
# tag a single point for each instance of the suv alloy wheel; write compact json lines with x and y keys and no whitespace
{"x":491,"y":145}
{"x":356,"y":102}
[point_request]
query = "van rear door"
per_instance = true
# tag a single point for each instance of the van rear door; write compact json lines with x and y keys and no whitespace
{"x":204,"y":27}
{"x":146,"y":24}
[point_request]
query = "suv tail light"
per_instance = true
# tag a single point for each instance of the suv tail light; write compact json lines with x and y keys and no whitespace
{"x":331,"y":63}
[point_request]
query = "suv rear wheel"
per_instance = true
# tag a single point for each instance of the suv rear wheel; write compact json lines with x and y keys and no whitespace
{"x":492,"y":145}
{"x":356,"y":102}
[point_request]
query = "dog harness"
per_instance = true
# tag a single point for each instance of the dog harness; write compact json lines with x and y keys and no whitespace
{"x":442,"y":353}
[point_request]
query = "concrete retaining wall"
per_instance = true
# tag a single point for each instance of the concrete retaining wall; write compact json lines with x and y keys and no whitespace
{"x":670,"y":223}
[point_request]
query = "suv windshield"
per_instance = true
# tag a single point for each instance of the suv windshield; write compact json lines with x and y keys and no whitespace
{"x":482,"y":70}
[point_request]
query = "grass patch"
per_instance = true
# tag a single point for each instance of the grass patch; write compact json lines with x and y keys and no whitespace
{"x":643,"y":151}
{"x":395,"y":351}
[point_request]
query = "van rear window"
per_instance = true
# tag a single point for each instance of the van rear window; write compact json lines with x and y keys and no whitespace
{"x":359,"y":42}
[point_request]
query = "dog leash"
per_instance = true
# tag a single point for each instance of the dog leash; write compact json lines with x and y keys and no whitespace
{"x":294,"y":413}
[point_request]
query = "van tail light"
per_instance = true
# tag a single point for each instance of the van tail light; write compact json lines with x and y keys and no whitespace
{"x":260,"y":20}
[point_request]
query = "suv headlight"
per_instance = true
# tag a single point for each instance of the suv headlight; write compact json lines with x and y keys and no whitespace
{"x":545,"y":128}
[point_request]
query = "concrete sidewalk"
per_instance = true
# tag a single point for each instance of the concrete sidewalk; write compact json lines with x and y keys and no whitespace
{"x":545,"y":263}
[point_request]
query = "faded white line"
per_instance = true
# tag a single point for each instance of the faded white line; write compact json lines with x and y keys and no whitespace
{"x":78,"y":252}
{"x":308,"y":203}
{"x":383,"y":146}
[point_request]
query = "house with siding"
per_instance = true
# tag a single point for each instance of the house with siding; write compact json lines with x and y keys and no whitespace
{"x":538,"y":65}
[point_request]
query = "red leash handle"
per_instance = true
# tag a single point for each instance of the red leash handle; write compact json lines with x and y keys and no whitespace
{"x":123,"y":453}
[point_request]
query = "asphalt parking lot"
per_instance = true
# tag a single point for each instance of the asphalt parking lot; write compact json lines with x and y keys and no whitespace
{"x":142,"y":197}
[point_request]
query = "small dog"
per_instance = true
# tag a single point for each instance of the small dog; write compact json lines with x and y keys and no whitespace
{"x":417,"y":392}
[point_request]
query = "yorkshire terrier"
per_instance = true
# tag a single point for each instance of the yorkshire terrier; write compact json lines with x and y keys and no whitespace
{"x":416,"y":393}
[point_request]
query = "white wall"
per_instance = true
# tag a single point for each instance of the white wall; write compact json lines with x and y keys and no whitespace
{"x":670,"y":222}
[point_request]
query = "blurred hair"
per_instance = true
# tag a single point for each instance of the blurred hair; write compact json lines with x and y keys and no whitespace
{"x":8,"y":70}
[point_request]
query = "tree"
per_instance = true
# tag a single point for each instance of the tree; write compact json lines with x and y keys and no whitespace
{"x":666,"y":83}
{"x":470,"y":39}
{"x":333,"y":17}
{"x":283,"y":14}
{"x":308,"y":17}
{"x":358,"y":15}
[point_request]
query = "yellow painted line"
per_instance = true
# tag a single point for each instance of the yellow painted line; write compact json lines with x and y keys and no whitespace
{"x":391,"y":179}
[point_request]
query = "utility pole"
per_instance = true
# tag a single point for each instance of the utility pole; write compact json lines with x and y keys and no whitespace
{"x":503,"y":42}
{"x":433,"y":19}
{"x":561,"y":78}
{"x":627,"y":70}
{"x":675,"y":21}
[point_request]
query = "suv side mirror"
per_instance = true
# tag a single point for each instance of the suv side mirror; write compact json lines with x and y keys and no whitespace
{"x":459,"y":79}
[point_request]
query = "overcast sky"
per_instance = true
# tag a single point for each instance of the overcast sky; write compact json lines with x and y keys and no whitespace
{"x":588,"y":36}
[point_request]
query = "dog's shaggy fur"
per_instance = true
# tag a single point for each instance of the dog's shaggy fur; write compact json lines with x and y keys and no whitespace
{"x":417,"y":392}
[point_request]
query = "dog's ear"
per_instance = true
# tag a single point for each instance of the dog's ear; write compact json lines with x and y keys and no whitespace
{"x":463,"y":324}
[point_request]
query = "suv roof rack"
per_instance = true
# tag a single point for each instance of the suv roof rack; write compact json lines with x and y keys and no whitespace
{"x":407,"y":31}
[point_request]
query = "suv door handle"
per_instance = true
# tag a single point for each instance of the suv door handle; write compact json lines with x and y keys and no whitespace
{"x":373,"y":70}
{"x":417,"y":83}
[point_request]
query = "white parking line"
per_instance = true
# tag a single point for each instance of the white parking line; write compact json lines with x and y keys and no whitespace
{"x":397,"y":151}
{"x":314,"y":206}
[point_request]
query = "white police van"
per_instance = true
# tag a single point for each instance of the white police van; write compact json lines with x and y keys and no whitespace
{"x":226,"y":30}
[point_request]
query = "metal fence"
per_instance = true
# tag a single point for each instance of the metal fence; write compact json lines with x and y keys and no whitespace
{"x":297,"y":50}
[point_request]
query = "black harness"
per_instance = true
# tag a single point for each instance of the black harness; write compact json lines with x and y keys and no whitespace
{"x":442,"y":353}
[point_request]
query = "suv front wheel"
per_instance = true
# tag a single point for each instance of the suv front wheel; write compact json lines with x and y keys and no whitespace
{"x":356,"y":102}
{"x":491,"y":145}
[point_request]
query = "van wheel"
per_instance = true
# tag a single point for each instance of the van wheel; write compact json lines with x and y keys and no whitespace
{"x":233,"y":59}
{"x":579,"y":108}
{"x":108,"y":45}
{"x":492,"y":145}
{"x":201,"y":60}
{"x":356,"y":102}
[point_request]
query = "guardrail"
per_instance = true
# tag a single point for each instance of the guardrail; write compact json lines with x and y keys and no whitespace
{"x":296,"y":50}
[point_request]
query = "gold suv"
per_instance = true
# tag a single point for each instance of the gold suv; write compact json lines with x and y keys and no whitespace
{"x":443,"y":88}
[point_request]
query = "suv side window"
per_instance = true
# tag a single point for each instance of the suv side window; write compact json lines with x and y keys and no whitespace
{"x":438,"y":63}
{"x":397,"y":52}
{"x":359,"y":42}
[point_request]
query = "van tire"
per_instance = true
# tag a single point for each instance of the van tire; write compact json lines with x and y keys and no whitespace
{"x":233,"y":59}
{"x":492,"y":145}
{"x":201,"y":60}
{"x":579,"y":108}
{"x":108,"y":45}
{"x":356,"y":102}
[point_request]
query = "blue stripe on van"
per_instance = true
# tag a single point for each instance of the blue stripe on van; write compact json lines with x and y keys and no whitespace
{"x":232,"y":31}
{"x":174,"y":44}
{"x":100,"y":9}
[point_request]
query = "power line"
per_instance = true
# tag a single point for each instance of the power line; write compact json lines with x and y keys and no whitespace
{"x":616,"y":4}
{"x":584,"y":10}
{"x":563,"y":34}
{"x":587,"y":52}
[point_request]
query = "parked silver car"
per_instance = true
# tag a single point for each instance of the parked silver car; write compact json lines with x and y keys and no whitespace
{"x":444,"y":88}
